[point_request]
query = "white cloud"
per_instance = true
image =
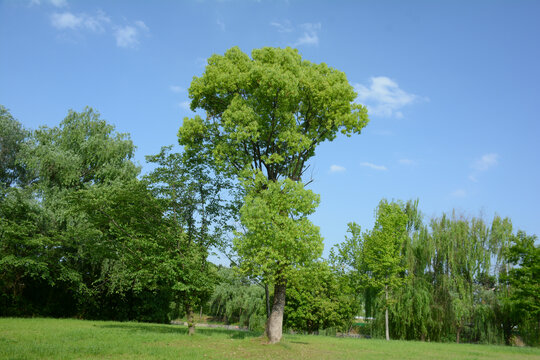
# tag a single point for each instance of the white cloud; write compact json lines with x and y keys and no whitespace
{"x":70,"y":21}
{"x":336,"y":168}
{"x":66,"y":20}
{"x":484,"y":163}
{"x":56,"y":3}
{"x":305,"y":34}
{"x":374,"y":166}
{"x":176,"y":89}
{"x":310,"y":34}
{"x":128,"y":36}
{"x":220,"y":24}
{"x":59,"y":3}
{"x":142,"y":25}
{"x":384,"y":97}
{"x":459,"y":193}
{"x":185,"y":105}
{"x":406,"y":162}
{"x":284,"y":27}
{"x":97,"y":23}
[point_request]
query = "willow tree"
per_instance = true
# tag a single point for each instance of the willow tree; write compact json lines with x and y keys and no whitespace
{"x":268,"y":114}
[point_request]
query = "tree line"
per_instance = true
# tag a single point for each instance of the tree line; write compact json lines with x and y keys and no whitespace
{"x":453,"y":278}
{"x":84,"y":234}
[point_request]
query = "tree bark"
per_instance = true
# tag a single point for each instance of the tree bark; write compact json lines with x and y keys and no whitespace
{"x":457,"y":335}
{"x":274,"y":326}
{"x":386,"y":313}
{"x":190,"y":320}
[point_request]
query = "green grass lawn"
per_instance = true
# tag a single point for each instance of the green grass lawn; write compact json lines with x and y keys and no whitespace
{"x":78,"y":339}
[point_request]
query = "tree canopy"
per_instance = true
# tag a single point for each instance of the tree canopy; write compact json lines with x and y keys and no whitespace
{"x":269,"y":111}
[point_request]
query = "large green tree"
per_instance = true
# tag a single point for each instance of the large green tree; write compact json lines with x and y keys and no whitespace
{"x":268,"y":113}
{"x":98,"y":249}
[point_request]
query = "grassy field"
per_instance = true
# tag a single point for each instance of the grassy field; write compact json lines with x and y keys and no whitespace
{"x":77,"y":339}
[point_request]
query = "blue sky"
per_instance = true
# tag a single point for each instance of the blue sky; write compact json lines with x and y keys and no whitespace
{"x":453,"y":88}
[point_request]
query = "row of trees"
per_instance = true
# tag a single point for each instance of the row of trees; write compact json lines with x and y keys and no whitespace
{"x":453,"y":278}
{"x":83,"y":234}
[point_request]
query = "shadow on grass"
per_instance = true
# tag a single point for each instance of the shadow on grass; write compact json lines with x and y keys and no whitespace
{"x":180,"y":330}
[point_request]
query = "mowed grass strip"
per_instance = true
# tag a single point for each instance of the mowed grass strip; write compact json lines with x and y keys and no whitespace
{"x":78,"y":339}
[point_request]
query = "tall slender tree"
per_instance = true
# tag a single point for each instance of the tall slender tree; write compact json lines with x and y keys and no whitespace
{"x":382,"y":252}
{"x":192,"y":197}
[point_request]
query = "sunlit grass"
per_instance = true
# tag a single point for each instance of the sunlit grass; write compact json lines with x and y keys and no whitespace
{"x":77,"y":339}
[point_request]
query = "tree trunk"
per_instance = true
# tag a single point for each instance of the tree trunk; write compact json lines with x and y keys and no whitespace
{"x":267,"y":293}
{"x":457,"y":335}
{"x":386,"y":313}
{"x":274,"y":325}
{"x":190,"y":320}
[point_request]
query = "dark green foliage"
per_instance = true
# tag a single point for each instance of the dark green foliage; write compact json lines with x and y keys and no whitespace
{"x":318,"y":298}
{"x":524,"y":280}
{"x":73,"y":241}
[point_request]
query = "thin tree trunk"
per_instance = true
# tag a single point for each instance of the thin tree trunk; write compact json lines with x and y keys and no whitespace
{"x":190,"y":320}
{"x":274,"y":325}
{"x":267,"y":293}
{"x":457,"y":335}
{"x":386,"y":312}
